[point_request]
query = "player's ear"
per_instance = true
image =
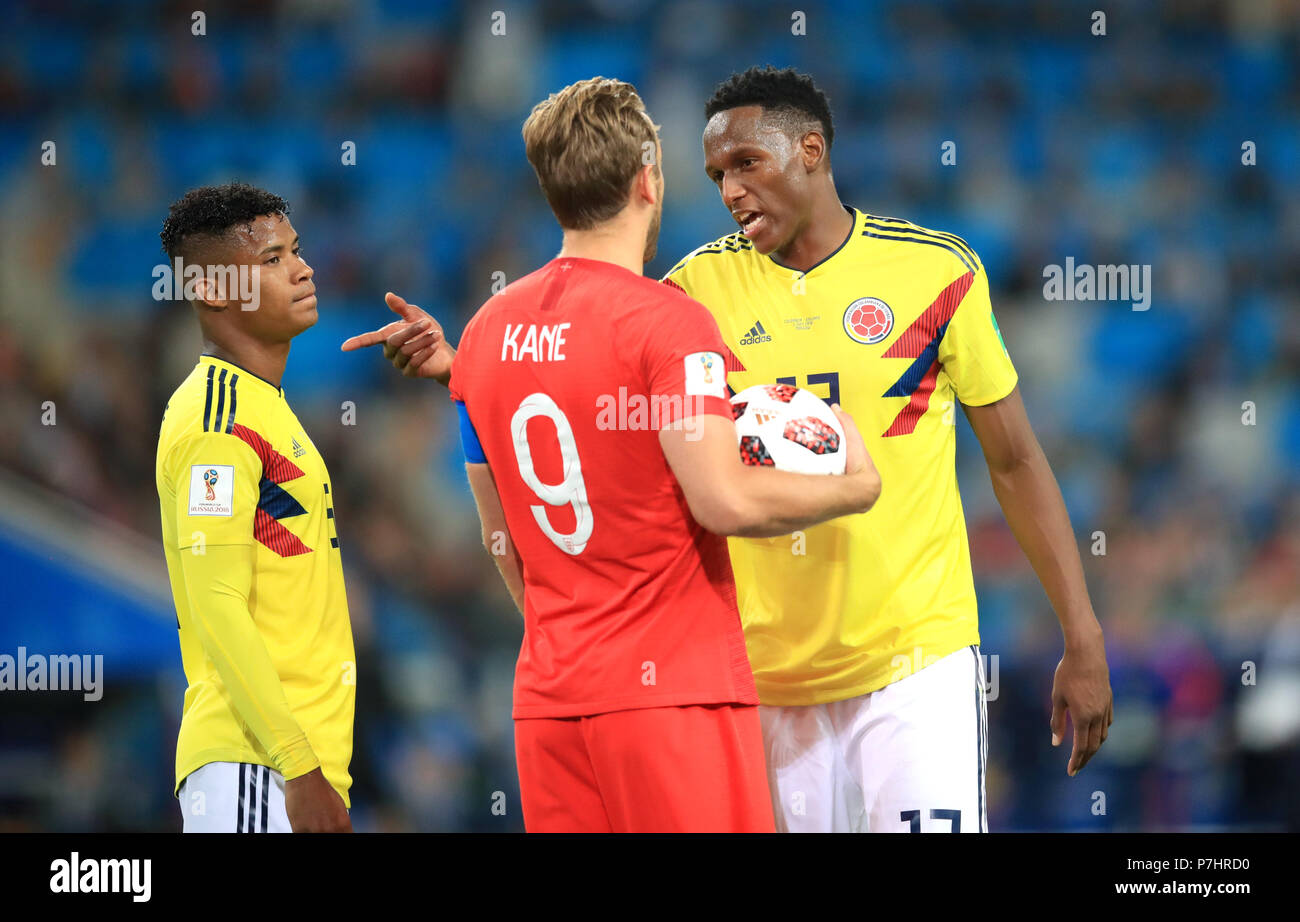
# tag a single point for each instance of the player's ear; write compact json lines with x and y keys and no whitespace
{"x":812,"y":147}
{"x":647,"y":183}
{"x":208,"y":294}
{"x":205,"y":293}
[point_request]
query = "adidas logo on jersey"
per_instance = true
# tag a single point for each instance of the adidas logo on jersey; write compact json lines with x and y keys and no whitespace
{"x":756,"y":335}
{"x":298,"y":450}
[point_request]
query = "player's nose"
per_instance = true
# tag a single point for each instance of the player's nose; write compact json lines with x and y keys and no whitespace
{"x":732,"y":190}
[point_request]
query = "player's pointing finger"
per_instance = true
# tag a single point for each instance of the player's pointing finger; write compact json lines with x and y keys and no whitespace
{"x":373,"y":338}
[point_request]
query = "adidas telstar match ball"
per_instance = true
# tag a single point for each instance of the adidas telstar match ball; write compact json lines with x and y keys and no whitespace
{"x":788,"y":428}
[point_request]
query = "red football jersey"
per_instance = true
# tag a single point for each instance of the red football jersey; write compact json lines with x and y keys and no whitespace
{"x":566,"y":376}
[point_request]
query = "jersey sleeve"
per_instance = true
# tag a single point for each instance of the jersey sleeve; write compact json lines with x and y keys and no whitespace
{"x":453,"y":384}
{"x":217,"y":478}
{"x":682,"y":360}
{"x":972,"y":352}
{"x":217,"y":584}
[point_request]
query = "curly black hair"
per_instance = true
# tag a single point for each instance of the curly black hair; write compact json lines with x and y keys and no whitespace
{"x":211,"y":211}
{"x":789,"y":95}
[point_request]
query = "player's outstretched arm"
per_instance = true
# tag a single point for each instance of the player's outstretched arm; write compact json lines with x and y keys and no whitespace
{"x":728,"y":497}
{"x":415,"y":344}
{"x":1031,"y":501}
{"x":496,"y":536}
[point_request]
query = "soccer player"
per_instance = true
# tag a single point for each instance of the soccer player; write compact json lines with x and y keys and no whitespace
{"x":248,"y":531}
{"x":634,"y":703}
{"x":866,"y":648}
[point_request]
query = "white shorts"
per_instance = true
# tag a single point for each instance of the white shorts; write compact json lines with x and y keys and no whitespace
{"x":907,"y":758}
{"x":233,"y":797}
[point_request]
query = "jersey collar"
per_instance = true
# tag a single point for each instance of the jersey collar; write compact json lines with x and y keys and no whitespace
{"x":772,"y":262}
{"x":206,"y":359}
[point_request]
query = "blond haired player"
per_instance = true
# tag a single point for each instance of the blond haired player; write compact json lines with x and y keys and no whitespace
{"x":634,"y":703}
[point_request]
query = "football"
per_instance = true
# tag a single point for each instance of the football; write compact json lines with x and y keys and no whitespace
{"x":789,"y":428}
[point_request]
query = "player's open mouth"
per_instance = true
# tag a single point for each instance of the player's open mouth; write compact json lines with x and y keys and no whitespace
{"x":750,"y":221}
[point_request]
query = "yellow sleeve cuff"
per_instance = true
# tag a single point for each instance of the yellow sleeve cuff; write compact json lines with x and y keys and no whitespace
{"x":295,"y":758}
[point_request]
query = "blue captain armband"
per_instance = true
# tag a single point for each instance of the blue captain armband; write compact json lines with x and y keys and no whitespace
{"x":469,"y":442}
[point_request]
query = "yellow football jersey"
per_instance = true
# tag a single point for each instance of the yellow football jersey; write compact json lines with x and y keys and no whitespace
{"x":896,"y":326}
{"x":265,"y":636}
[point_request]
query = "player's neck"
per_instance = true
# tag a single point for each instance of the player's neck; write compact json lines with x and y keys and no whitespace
{"x":266,"y":360}
{"x":617,"y":247}
{"x":828,"y":227}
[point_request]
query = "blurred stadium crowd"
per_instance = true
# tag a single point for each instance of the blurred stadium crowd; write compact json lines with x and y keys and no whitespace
{"x":1124,"y":148}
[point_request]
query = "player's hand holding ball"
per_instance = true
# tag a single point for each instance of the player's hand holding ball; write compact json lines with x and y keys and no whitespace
{"x":792,"y":429}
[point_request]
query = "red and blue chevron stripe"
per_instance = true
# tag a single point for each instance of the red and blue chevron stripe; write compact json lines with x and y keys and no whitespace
{"x":920,"y":341}
{"x":275,"y":502}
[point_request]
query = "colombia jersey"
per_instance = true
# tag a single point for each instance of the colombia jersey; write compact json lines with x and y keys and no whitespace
{"x":896,"y":326}
{"x":566,"y":376}
{"x":265,"y":636}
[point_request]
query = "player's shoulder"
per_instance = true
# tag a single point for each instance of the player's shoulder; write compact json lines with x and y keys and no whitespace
{"x":726,"y":250}
{"x":211,"y":404}
{"x":940,"y":246}
{"x":185,"y":407}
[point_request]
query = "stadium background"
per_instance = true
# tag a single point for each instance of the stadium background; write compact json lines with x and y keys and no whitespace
{"x":1120,"y":149}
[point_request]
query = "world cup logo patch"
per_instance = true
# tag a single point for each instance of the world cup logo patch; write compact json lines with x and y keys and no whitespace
{"x":868,"y":321}
{"x":706,"y":359}
{"x":210,"y":478}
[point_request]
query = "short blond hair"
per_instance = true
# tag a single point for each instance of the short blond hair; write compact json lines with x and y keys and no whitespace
{"x":586,"y":143}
